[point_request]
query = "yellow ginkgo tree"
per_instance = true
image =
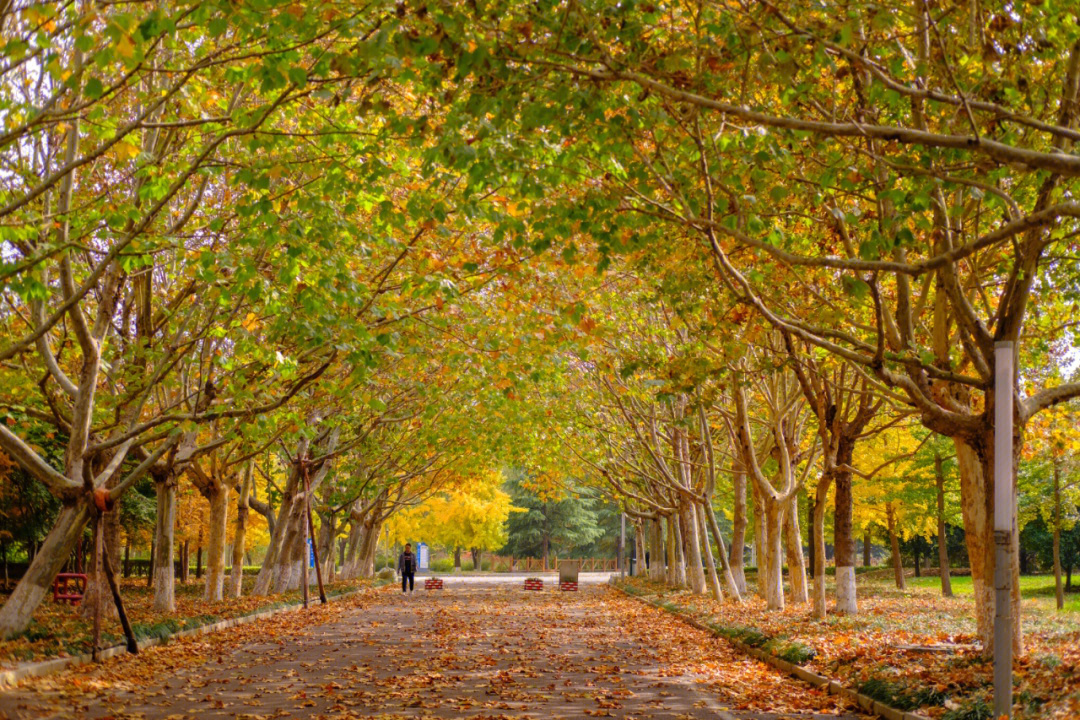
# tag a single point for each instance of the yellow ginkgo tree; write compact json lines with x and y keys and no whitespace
{"x":471,"y":514}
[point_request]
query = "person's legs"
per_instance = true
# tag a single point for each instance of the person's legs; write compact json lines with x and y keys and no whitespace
{"x":412,"y":581}
{"x":404,"y":579}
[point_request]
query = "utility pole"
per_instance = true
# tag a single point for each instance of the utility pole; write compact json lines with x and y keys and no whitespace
{"x":1003,"y":528}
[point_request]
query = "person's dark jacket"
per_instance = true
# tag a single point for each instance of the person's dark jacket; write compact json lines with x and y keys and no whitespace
{"x":406,"y":563}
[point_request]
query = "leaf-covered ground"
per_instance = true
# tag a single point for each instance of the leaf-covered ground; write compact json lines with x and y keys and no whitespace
{"x":912,"y":649}
{"x":479,"y":651}
{"x":59,"y":629}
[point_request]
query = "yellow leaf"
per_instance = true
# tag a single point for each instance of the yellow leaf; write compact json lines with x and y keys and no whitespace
{"x":124,"y":48}
{"x":127,"y":150}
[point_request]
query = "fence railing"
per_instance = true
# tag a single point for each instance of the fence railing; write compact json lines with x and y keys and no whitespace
{"x":543,"y":565}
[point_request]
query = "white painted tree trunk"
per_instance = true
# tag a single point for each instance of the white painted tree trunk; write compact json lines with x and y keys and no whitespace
{"x":164,"y":530}
{"x":36,"y":582}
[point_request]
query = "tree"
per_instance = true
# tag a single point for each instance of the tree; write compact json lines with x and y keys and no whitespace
{"x":549,"y":522}
{"x":471,"y":513}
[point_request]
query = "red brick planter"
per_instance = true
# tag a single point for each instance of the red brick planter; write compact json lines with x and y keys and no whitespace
{"x":433,"y":584}
{"x":568,"y":586}
{"x":534,"y":584}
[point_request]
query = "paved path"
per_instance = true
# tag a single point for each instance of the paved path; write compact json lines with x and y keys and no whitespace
{"x":478,"y":651}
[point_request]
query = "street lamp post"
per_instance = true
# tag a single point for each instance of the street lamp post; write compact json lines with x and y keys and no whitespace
{"x":1003,"y":527}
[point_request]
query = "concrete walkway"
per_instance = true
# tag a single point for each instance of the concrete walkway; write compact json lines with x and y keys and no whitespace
{"x":474,"y":650}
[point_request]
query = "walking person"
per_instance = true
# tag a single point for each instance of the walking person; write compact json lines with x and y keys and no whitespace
{"x":406,"y":566}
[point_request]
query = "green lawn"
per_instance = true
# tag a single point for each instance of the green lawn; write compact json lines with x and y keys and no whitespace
{"x":1036,"y":587}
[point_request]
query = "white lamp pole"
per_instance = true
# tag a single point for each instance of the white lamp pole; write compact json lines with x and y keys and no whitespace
{"x":1003,"y":528}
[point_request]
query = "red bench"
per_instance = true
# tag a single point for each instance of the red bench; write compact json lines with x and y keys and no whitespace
{"x":69,"y":588}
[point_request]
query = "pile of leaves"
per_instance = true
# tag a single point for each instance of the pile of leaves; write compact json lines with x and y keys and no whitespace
{"x":60,"y":629}
{"x":913,"y":649}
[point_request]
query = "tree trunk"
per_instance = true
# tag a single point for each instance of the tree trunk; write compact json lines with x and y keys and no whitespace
{"x":185,"y":562}
{"x":36,"y":582}
{"x":843,"y":534}
{"x":738,"y":530}
{"x":761,"y":538}
{"x":675,"y":552}
{"x":657,"y":556}
{"x":286,"y":569}
{"x":714,"y":581}
{"x":371,"y":548}
{"x":219,"y":528}
{"x":976,"y":489}
{"x":350,"y":563}
{"x":1059,"y":595}
{"x":638,"y":548}
{"x":943,"y":544}
{"x":818,"y":543}
{"x":867,"y":558}
{"x":794,"y":550}
{"x":729,"y":578}
{"x":153,"y":554}
{"x":457,"y":558}
{"x":477,"y":565}
{"x":772,"y":550}
{"x":291,"y":562}
{"x":96,"y":582}
{"x":164,"y":528}
{"x":688,"y":522}
{"x":915,"y":551}
{"x":326,"y":545}
{"x":276,"y":550}
{"x":236,"y":578}
{"x":894,"y":542}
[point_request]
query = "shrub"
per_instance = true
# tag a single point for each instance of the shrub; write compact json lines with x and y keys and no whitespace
{"x":502,"y":567}
{"x":795,"y":652}
{"x":901,"y":697}
{"x":161,"y":630}
{"x":386,"y":574}
{"x":442,"y":565}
